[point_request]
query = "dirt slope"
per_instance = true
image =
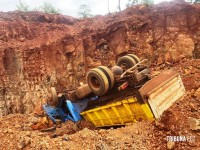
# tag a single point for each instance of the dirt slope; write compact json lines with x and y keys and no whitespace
{"x":38,"y":50}
{"x":16,"y":130}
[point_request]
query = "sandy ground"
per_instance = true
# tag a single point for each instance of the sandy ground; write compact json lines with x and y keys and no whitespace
{"x":16,"y":130}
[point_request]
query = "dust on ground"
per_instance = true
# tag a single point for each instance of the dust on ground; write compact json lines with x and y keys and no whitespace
{"x":16,"y":131}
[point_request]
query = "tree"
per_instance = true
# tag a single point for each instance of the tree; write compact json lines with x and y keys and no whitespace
{"x":119,"y":5}
{"x":137,"y":2}
{"x":108,"y":6}
{"x":194,"y":1}
{"x":22,"y":6}
{"x":48,"y":8}
{"x":147,"y":2}
{"x":84,"y":11}
{"x":131,"y":3}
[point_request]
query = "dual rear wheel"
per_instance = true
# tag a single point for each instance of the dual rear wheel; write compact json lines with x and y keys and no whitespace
{"x":100,"y":80}
{"x":127,"y":61}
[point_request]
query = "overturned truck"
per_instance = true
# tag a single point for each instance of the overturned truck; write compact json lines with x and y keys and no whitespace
{"x":123,"y":94}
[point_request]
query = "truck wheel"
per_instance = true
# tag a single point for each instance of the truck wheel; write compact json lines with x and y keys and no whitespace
{"x":54,"y":97}
{"x":109,"y":75}
{"x":126,"y":62}
{"x":97,"y":81}
{"x":137,"y":59}
{"x":83,"y":91}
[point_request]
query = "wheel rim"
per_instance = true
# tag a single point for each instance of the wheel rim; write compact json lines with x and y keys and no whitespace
{"x":95,"y":82}
{"x":124,"y":66}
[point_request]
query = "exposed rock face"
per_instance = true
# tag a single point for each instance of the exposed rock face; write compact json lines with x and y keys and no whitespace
{"x":38,"y":50}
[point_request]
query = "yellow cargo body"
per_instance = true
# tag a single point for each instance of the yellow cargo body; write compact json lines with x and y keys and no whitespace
{"x":118,"y":113}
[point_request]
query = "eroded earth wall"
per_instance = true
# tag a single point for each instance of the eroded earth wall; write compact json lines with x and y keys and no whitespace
{"x":38,"y":51}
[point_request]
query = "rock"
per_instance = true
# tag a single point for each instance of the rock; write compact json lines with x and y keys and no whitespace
{"x":167,"y":57}
{"x":159,"y":61}
{"x":10,"y":131}
{"x":5,"y":131}
{"x":193,"y":107}
{"x":159,"y":125}
{"x":22,"y":39}
{"x":151,"y":135}
{"x":155,"y":73}
{"x":33,"y":119}
{"x":27,"y":141}
{"x":65,"y":139}
{"x":184,"y":47}
{"x":187,"y":71}
{"x":101,"y":146}
{"x":194,"y":123}
{"x":168,"y":63}
{"x":193,"y":144}
{"x":192,"y":91}
{"x":28,"y":133}
{"x":101,"y":42}
{"x":197,"y":93}
{"x":12,"y":136}
{"x":75,"y":127}
{"x":40,"y":134}
{"x":54,"y":136}
{"x":102,"y":131}
{"x":21,"y":145}
{"x":136,"y":131}
{"x":34,"y":134}
{"x":170,"y":145}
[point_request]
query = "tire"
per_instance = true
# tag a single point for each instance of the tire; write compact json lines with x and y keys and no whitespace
{"x":83,"y":91}
{"x":54,"y":97}
{"x":137,"y":59}
{"x":97,"y":81}
{"x":126,"y":62}
{"x":109,"y":75}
